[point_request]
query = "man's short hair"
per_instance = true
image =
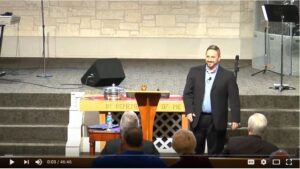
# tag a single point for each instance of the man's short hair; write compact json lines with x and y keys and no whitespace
{"x":257,"y":124}
{"x":214,"y":47}
{"x":184,"y":142}
{"x":129,"y":119}
{"x":133,"y":137}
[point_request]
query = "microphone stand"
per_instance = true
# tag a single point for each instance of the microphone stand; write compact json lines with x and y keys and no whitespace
{"x":2,"y":73}
{"x":281,"y":86}
{"x":236,"y":66}
{"x":44,"y":74}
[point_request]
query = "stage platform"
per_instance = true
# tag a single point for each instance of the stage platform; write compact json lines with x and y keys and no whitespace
{"x":162,"y":74}
{"x":37,"y":110}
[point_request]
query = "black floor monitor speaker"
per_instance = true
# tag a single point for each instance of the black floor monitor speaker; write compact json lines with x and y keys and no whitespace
{"x":104,"y":72}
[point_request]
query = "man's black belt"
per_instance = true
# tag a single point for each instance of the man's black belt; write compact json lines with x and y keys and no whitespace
{"x":206,"y":113}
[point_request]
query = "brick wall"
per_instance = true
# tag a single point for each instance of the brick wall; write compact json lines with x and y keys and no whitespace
{"x":133,"y":18}
{"x":171,"y":29}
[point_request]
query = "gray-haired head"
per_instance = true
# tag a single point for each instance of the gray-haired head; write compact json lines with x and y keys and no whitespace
{"x":184,"y":142}
{"x":257,"y":123}
{"x":129,"y":119}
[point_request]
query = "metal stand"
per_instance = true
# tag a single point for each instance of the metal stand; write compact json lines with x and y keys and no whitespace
{"x":281,"y":86}
{"x":281,"y":13}
{"x":2,"y":73}
{"x":266,"y":57}
{"x":236,"y":66}
{"x":44,"y":74}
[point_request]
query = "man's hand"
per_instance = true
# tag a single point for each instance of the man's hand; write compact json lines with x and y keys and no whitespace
{"x":190,"y":116}
{"x":234,"y":125}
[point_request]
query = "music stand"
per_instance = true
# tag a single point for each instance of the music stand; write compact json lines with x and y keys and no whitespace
{"x":265,"y":56}
{"x":281,"y":13}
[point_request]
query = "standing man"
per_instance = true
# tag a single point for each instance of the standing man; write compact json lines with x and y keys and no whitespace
{"x":207,"y":91}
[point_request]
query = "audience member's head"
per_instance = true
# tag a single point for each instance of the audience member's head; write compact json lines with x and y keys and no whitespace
{"x":279,"y":155}
{"x":132,"y":139}
{"x":132,"y":153}
{"x":257,"y":124}
{"x":128,"y":120}
{"x":184,"y":142}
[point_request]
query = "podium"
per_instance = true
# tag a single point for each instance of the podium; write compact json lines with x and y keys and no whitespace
{"x":147,"y":102}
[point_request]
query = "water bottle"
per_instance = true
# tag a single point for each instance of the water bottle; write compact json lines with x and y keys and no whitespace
{"x":109,"y":121}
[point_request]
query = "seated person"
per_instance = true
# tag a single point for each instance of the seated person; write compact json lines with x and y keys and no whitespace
{"x":184,"y":143}
{"x":129,"y":119}
{"x":253,"y":144}
{"x":132,"y":155}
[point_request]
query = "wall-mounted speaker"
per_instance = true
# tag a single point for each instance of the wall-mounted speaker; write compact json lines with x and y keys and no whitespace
{"x":104,"y":72}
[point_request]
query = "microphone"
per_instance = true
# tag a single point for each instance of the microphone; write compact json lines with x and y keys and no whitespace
{"x":208,"y":80}
{"x":236,"y":65}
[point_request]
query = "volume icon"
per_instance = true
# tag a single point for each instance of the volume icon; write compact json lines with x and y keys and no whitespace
{"x":39,"y":162}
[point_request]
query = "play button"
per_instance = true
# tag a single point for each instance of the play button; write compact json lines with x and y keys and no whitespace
{"x":11,"y":162}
